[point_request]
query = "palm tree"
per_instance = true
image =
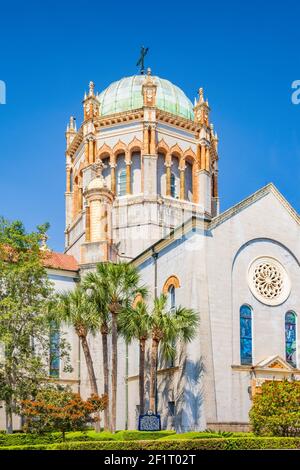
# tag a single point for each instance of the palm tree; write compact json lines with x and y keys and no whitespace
{"x":166,"y":327}
{"x":96,"y":282}
{"x":121,"y":282}
{"x":135,"y":324}
{"x":75,"y":308}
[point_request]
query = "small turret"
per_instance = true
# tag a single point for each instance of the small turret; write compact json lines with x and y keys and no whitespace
{"x":90,"y":103}
{"x":201,"y":109}
{"x":71,"y":131}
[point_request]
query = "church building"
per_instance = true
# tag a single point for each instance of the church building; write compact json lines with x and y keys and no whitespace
{"x":142,"y":187}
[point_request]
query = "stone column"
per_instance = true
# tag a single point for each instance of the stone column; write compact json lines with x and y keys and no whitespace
{"x":75,"y":200}
{"x":91,"y":150}
{"x":86,"y":151}
{"x":202,"y":157}
{"x":182,"y":182}
{"x":80,"y":198}
{"x":168,"y":164}
{"x":68,"y":179}
{"x":153,"y":141}
{"x":113,"y":177}
{"x":146,"y":140}
{"x":87,"y":224}
{"x":207,"y":159}
{"x":128,"y":177}
{"x":195,"y":183}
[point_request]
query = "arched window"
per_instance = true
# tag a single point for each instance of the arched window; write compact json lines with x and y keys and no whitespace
{"x":246,"y":334}
{"x":71,"y":180}
{"x":54,"y":349}
{"x":122,"y":182}
{"x":290,"y":338}
{"x":171,"y":298}
{"x":173,"y":185}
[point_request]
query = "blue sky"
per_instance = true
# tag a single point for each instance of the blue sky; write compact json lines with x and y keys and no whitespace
{"x":245,"y":56}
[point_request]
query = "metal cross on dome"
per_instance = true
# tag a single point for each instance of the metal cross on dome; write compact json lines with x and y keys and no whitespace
{"x":141,"y":61}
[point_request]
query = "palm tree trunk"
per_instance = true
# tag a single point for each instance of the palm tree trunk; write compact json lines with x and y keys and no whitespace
{"x":153,"y":374}
{"x":9,"y":418}
{"x":142,"y":375}
{"x":114,"y":371}
{"x":91,"y":373}
{"x":105,"y":378}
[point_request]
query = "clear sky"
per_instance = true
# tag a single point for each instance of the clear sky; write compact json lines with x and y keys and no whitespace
{"x":246,"y":57}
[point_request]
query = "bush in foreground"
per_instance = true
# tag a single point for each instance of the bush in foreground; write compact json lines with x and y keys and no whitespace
{"x":276,"y":410}
{"x":256,"y":443}
{"x":64,"y":410}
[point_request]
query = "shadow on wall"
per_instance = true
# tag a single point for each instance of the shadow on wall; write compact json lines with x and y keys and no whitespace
{"x":187,"y":396}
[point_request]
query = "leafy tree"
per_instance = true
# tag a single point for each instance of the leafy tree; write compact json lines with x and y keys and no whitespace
{"x":25,"y":296}
{"x":166,"y":327}
{"x":135,"y":323}
{"x":62,"y":410}
{"x":276,"y":410}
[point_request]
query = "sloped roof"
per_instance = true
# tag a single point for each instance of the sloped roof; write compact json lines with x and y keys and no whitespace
{"x":56,"y":260}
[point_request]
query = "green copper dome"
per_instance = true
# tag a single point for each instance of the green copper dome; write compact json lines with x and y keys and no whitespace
{"x":126,"y":94}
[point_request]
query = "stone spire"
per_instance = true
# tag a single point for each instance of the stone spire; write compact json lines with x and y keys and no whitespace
{"x":201,"y":109}
{"x":90,"y":103}
{"x":71,"y":130}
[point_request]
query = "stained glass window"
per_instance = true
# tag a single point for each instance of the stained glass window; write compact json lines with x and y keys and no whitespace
{"x":122,"y":183}
{"x":173,"y":185}
{"x":171,"y":297}
{"x":246,"y":334}
{"x":54,"y":349}
{"x":290,"y":338}
{"x":172,"y":306}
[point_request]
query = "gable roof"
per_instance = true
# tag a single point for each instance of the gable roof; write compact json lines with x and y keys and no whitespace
{"x":54,"y":260}
{"x":268,"y":189}
{"x":198,"y":223}
{"x":274,"y":363}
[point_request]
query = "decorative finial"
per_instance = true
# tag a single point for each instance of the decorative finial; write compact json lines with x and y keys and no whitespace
{"x":141,"y":62}
{"x":91,"y":88}
{"x":201,"y":97}
{"x":148,"y":71}
{"x":44,"y":242}
{"x":99,"y":167}
{"x":72,"y":125}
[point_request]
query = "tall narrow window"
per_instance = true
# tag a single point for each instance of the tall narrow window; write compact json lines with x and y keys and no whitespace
{"x":172,"y":306}
{"x":171,"y":298}
{"x":173,"y":185}
{"x":122,"y":183}
{"x":290,"y":338}
{"x":54,"y":349}
{"x":246,"y":334}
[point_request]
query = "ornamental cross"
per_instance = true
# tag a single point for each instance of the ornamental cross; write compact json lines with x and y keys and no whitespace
{"x":141,"y":61}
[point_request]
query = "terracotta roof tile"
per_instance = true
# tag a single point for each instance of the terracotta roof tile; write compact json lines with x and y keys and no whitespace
{"x":56,"y":260}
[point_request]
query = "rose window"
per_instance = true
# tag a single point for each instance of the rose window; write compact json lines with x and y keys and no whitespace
{"x":268,"y":281}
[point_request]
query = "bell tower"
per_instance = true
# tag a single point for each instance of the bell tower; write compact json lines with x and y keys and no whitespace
{"x":207,"y":157}
{"x":98,"y":219}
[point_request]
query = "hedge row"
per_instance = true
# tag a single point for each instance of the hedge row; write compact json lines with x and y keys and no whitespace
{"x":196,"y":444}
{"x":55,"y":437}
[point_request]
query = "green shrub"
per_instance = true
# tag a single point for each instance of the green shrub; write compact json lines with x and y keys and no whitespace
{"x":254,"y":443}
{"x":142,"y":435}
{"x":276,"y":410}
